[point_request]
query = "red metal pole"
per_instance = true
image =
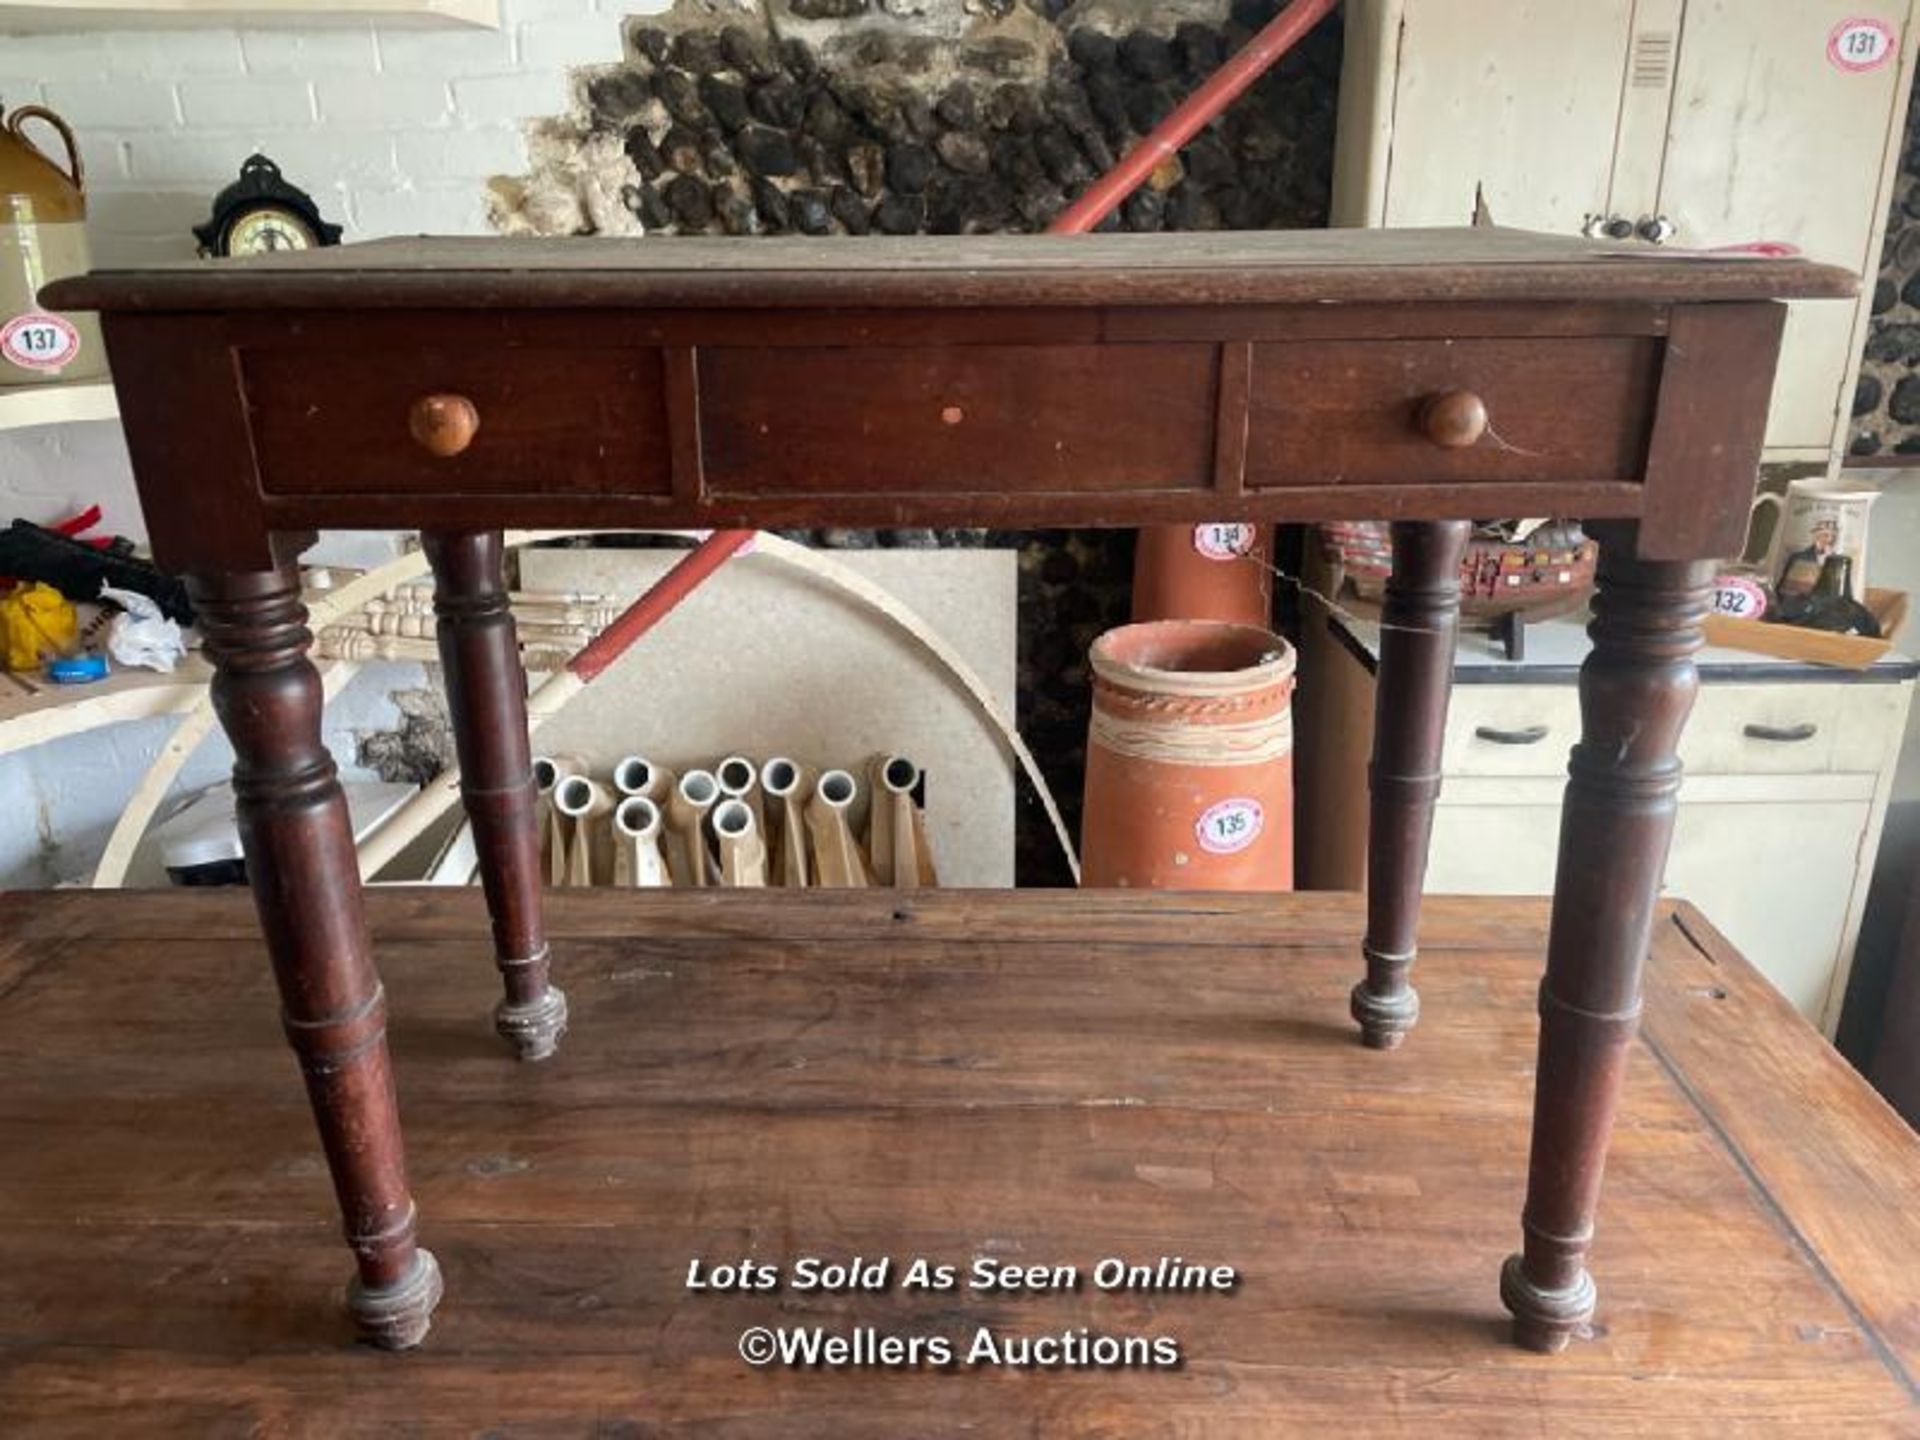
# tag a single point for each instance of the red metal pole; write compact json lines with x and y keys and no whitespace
{"x":1220,"y":90}
{"x":646,"y":612}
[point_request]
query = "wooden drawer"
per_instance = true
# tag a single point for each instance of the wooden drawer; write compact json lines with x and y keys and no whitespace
{"x":1798,"y":729}
{"x":1792,"y":729}
{"x":1510,"y":730}
{"x":1347,"y":412}
{"x":585,"y":420}
{"x":957,"y":419}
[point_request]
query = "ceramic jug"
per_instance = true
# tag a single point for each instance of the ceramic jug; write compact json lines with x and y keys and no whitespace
{"x":837,"y":861}
{"x":787,"y":787}
{"x":554,"y":828}
{"x":638,"y":863}
{"x":637,"y":775}
{"x":896,"y":830}
{"x":691,"y":860}
{"x":1818,"y":516}
{"x":743,"y":853}
{"x":739,"y":780}
{"x":586,"y":809}
{"x":43,"y":237}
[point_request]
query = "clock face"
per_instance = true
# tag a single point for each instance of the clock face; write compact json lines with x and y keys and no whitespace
{"x":268,"y":230}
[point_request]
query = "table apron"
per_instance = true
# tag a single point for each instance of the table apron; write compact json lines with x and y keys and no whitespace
{"x":294,"y":421}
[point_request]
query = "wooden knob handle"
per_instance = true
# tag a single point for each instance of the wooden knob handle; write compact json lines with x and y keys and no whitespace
{"x":443,"y":425}
{"x":1455,"y":419}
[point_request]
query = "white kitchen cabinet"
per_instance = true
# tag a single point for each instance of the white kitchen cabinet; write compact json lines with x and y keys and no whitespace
{"x":1788,"y":769}
{"x":1728,"y":121}
{"x":1774,"y":865}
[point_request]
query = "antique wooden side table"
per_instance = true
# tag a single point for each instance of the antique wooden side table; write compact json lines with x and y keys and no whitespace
{"x":1421,"y":377}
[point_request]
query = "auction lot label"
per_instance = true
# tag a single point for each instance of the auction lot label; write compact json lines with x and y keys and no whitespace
{"x":1860,"y":44}
{"x":959,"y":1347}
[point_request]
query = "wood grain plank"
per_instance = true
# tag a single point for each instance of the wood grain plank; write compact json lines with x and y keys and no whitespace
{"x":1834,"y":1157}
{"x":1005,"y":507}
{"x":1042,"y":1078}
{"x":682,"y":379}
{"x":1716,"y":384}
{"x":1195,"y":269}
{"x":403,"y":913}
{"x":1347,"y":412}
{"x":1232,"y":418}
{"x":574,"y":421}
{"x":1462,"y":320}
{"x":167,"y":367}
{"x":956,"y":420}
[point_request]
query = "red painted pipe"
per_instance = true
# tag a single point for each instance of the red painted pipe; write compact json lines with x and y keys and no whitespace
{"x":654,"y":606}
{"x":1221,"y":89}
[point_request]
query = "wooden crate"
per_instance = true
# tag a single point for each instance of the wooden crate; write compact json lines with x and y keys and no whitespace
{"x":1821,"y":647}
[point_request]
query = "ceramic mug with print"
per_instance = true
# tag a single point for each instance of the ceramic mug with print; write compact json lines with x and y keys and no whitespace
{"x":1817,"y":517}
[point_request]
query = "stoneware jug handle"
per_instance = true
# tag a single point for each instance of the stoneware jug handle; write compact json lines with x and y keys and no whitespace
{"x":1760,"y":501}
{"x":76,"y":172}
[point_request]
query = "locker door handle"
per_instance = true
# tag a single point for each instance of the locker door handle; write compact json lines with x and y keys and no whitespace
{"x":1527,"y":735}
{"x":1782,"y":734}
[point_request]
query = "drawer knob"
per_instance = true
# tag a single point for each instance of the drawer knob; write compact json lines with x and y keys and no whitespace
{"x":1454,"y":419}
{"x":443,"y":425}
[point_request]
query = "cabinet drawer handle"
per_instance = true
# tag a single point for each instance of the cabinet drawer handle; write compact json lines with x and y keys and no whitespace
{"x":1782,"y":734}
{"x":1529,"y":735}
{"x":443,"y":425}
{"x":1454,"y":419}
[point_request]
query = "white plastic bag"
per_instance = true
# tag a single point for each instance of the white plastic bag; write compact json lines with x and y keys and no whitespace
{"x":140,"y":634}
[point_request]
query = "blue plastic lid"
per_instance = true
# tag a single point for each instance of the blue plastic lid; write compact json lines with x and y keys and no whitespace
{"x":77,"y":669}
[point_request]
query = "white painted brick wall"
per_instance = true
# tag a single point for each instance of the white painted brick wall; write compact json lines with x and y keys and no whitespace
{"x":308,"y":53}
{"x":560,"y":41}
{"x":392,"y":130}
{"x":118,"y":104}
{"x":490,"y":99}
{"x":223,"y":103}
{"x":445,"y":53}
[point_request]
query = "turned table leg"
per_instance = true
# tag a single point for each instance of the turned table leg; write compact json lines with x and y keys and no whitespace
{"x":487,"y":694}
{"x":306,"y":886}
{"x":1417,"y":625}
{"x":1636,"y":688}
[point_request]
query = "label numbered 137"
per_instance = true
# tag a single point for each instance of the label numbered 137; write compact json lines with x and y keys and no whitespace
{"x":39,"y":342}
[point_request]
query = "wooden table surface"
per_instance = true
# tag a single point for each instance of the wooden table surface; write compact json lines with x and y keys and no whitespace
{"x":1243,"y":267}
{"x":1040,"y":1077}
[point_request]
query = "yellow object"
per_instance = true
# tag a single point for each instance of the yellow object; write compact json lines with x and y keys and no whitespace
{"x":36,"y":621}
